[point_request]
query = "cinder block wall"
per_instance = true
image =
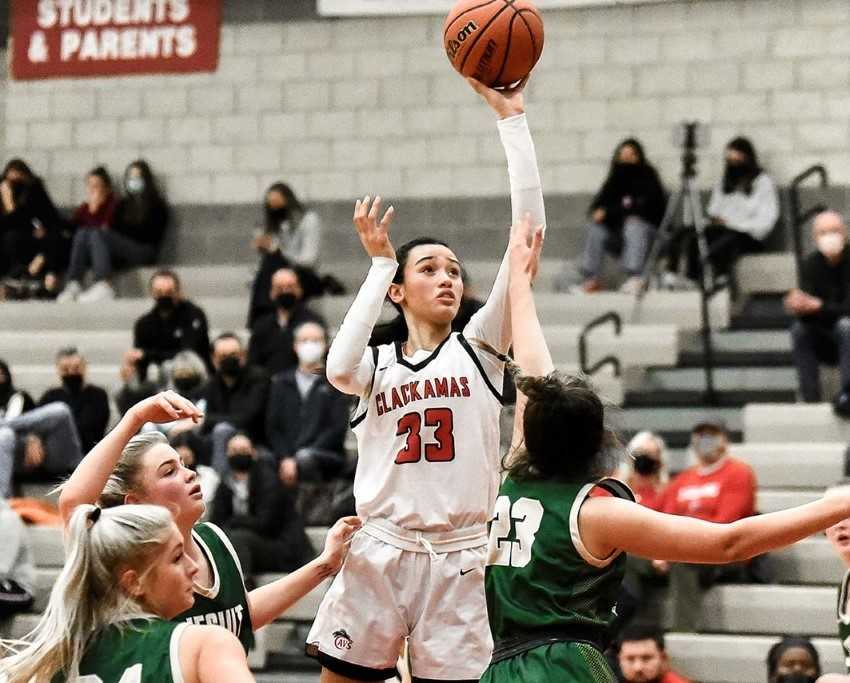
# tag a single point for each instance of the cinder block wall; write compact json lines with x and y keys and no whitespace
{"x":341,"y":107}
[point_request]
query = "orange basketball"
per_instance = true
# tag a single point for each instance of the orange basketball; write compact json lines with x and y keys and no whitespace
{"x":496,"y":41}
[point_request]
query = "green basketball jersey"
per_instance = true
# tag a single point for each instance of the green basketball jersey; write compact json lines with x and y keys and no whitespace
{"x":540,"y":578}
{"x":226,"y":603}
{"x":140,"y":652}
{"x":844,"y":619}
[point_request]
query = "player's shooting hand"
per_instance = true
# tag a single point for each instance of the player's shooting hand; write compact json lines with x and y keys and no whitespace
{"x":338,"y":541}
{"x":374,"y":234}
{"x":166,"y":406}
{"x":506,"y":103}
{"x":525,"y":246}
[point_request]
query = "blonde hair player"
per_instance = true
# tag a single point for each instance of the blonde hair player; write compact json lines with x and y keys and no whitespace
{"x":108,"y":619}
{"x":427,"y":428}
{"x":557,"y":557}
{"x":126,"y":467}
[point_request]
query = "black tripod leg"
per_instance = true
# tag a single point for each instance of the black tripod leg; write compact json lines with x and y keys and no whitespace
{"x":663,"y":235}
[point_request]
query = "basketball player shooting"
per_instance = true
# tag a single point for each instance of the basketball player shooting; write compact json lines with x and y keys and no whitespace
{"x":427,"y":427}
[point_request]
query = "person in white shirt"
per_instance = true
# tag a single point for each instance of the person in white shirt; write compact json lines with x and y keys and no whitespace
{"x":427,"y":428}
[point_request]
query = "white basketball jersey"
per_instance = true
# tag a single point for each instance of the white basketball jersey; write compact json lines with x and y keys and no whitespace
{"x":428,"y":439}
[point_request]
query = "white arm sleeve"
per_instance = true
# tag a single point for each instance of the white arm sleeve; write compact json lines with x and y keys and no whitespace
{"x":492,"y":323}
{"x":350,"y":365}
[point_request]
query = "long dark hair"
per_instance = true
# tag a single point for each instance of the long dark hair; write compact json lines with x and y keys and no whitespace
{"x":396,"y":329}
{"x":564,"y":432}
{"x":20,"y":166}
{"x":137,"y":208}
{"x":103,"y":174}
{"x":628,"y":142}
{"x":751,"y":167}
{"x":294,"y":208}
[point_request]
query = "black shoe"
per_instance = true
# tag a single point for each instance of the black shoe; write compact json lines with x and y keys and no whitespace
{"x":841,"y":404}
{"x":13,"y":598}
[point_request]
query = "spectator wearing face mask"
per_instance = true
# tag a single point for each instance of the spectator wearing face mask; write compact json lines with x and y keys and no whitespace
{"x":291,"y":238}
{"x":820,"y":332}
{"x":624,"y":216}
{"x":257,"y":512}
{"x":90,"y":248}
{"x":236,"y":397}
{"x":642,"y":657}
{"x":719,"y":488}
{"x":272,"y":335}
{"x":89,"y":404}
{"x":32,"y":233}
{"x":793,"y":660}
{"x":13,"y":401}
{"x":174,"y":324}
{"x":307,"y":419}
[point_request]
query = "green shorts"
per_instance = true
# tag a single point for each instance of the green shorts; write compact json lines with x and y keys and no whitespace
{"x":556,"y":663}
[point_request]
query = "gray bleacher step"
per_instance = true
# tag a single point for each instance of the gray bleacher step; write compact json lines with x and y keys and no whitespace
{"x":636,"y":345}
{"x":725,"y":379}
{"x":773,"y":500}
{"x":766,"y":273}
{"x":46,"y":544}
{"x":734,"y":658}
{"x":305,"y":609}
{"x":726,"y":398}
{"x":794,"y":465}
{"x":813,"y":422}
{"x":672,"y":419}
{"x":739,"y":348}
{"x":812,"y":561}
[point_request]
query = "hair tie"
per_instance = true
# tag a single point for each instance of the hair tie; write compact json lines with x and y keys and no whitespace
{"x":94,"y":515}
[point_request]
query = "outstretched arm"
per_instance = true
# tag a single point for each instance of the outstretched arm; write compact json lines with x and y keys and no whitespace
{"x":349,"y":365}
{"x":268,"y":602}
{"x":610,"y":524}
{"x":86,"y":483}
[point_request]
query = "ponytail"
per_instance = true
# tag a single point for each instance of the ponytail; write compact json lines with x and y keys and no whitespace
{"x":87,"y":596}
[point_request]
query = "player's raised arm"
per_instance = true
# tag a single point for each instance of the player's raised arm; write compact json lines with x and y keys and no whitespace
{"x":89,"y":478}
{"x":349,"y":366}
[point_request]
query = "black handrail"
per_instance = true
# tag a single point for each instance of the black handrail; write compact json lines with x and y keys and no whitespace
{"x":797,"y":218}
{"x":611,"y":316}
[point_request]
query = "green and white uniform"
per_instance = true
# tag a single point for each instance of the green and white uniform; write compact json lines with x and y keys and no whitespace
{"x":550,"y":601}
{"x":226,"y":602}
{"x":844,"y":618}
{"x":140,"y":652}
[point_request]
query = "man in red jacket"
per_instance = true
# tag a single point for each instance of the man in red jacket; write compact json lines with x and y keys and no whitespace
{"x":719,"y":488}
{"x":642,"y":657}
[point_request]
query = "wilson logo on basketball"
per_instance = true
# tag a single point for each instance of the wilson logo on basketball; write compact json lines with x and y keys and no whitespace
{"x":342,"y":641}
{"x":453,"y":45}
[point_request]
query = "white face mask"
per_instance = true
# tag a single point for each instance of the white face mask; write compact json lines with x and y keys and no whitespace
{"x":831,"y":243}
{"x":309,"y":352}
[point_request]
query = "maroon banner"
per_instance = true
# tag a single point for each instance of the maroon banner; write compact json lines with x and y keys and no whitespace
{"x":62,"y":38}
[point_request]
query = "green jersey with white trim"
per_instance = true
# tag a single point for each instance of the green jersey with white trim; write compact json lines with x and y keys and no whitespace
{"x":540,"y":577}
{"x":226,"y":602}
{"x":844,"y":619}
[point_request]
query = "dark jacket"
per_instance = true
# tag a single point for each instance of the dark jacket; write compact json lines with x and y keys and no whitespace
{"x":162,"y":337}
{"x":271,"y":507}
{"x":320,"y":420}
{"x":90,"y":407}
{"x":145,"y":224}
{"x":271,"y":344}
{"x":242,"y":405}
{"x":31,"y":202}
{"x":631,"y":190}
{"x":829,"y":283}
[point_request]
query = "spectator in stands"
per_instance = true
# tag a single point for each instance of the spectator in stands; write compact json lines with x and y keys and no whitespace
{"x":742,"y":212}
{"x":41,"y":444}
{"x":141,"y":218}
{"x":13,"y":401}
{"x":291,"y":239}
{"x":645,"y":471}
{"x":89,"y":403}
{"x":174,"y":324}
{"x":306,"y":418}
{"x":643,"y":658}
{"x":271,"y":335}
{"x":31,"y":229}
{"x":820,"y":332}
{"x":793,"y":660}
{"x":719,"y":488}
{"x":94,"y":219}
{"x":17,"y":573}
{"x":624,"y":216}
{"x":236,"y":397}
{"x":258,"y":513}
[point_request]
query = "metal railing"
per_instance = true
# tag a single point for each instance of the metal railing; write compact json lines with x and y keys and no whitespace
{"x":796,"y":217}
{"x":610,"y":317}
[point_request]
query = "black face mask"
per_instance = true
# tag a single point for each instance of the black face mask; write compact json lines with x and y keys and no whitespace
{"x":287,"y":301}
{"x":645,"y":465}
{"x":230,"y":366}
{"x":240,"y":462}
{"x":184,"y":385}
{"x":72,"y":383}
{"x":164,"y":305}
{"x":795,"y":678}
{"x":278,"y":215}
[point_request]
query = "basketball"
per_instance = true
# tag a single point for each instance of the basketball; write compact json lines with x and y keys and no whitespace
{"x":497,"y":42}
